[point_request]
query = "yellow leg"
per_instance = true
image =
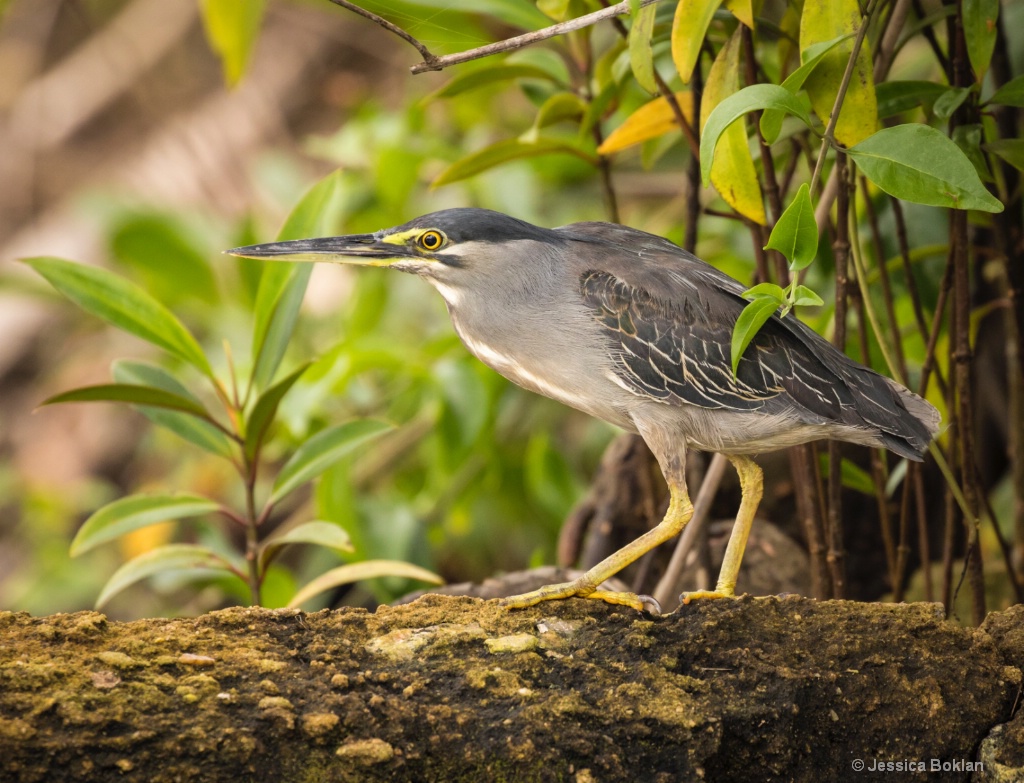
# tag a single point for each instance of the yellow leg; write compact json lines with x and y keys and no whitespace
{"x":751,"y":488}
{"x":679,"y":512}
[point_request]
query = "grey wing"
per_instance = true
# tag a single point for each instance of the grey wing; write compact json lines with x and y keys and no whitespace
{"x":675,"y":346}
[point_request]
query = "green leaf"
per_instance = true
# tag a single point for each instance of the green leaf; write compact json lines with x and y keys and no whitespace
{"x":1010,"y":150}
{"x":232,"y":28}
{"x":968,"y":139}
{"x":123,"y":304}
{"x":1010,"y":94}
{"x":897,"y":97}
{"x":804,"y":296}
{"x":920,"y":164}
{"x":283,"y":284}
{"x":195,"y":430}
{"x":689,"y":26}
{"x":979,"y":20}
{"x":560,"y":106}
{"x":322,"y":450}
{"x":950,"y":101}
{"x":762,"y":290}
{"x":356,"y":572}
{"x":641,"y":56}
{"x":851,"y":475}
{"x":771,"y":120}
{"x":318,"y":533}
{"x":134,"y":512}
{"x":491,"y":75}
{"x":504,"y":152}
{"x":173,"y":557}
{"x":131,"y":393}
{"x":264,"y":411}
{"x":796,"y":233}
{"x":749,"y":323}
{"x":752,"y":98}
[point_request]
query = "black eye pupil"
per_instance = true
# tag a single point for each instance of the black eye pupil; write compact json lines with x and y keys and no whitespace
{"x":431,"y":240}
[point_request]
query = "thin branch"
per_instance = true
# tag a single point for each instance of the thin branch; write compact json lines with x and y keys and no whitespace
{"x":428,"y":57}
{"x":432,"y":63}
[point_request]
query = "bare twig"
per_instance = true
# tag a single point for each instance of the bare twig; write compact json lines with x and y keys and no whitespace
{"x":519,"y":41}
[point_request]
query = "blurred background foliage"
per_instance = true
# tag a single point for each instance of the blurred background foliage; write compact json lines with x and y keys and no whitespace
{"x":139,"y":138}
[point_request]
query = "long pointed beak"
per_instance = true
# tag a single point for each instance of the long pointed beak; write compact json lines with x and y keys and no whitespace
{"x":362,"y":249}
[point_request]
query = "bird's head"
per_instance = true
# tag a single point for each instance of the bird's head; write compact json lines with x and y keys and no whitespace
{"x":454,"y":248}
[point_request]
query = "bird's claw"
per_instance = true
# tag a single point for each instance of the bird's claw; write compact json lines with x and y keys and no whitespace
{"x":700,"y":595}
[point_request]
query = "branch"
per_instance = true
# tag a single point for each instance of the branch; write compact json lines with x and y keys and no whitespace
{"x":432,"y":62}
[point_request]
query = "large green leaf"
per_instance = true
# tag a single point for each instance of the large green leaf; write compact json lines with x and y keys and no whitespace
{"x":505,"y":152}
{"x":173,"y":557}
{"x":263,"y":412}
{"x":137,"y":511}
{"x":123,"y":304}
{"x":232,"y":28}
{"x":356,"y":572}
{"x":920,"y":164}
{"x":318,"y":533}
{"x":322,"y":450}
{"x":752,"y":98}
{"x":195,"y":430}
{"x":283,"y":284}
{"x":796,"y":233}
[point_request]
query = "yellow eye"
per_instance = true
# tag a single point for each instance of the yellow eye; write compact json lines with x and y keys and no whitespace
{"x":431,"y":240}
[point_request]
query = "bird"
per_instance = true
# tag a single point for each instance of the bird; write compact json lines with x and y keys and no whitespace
{"x":632,"y":329}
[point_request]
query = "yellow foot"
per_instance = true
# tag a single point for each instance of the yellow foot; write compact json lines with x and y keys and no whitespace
{"x":699,"y":595}
{"x":580,"y":589}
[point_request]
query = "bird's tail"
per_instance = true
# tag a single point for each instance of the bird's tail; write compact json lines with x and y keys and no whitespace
{"x":909,"y":435}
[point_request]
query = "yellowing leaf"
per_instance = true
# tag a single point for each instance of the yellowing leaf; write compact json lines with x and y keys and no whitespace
{"x":732,"y":171}
{"x":688,"y":29}
{"x":823,"y":21}
{"x":743,"y":10}
{"x":648,"y":122}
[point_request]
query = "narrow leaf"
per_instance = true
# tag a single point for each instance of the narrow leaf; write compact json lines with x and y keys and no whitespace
{"x":752,"y":98}
{"x":173,"y":557}
{"x":920,"y":164}
{"x":322,"y":450}
{"x":356,"y":572}
{"x":896,"y":97}
{"x":489,"y":76}
{"x":282,"y":284}
{"x":979,"y":20}
{"x":1010,"y":150}
{"x":749,"y":323}
{"x":195,"y":430}
{"x":232,"y":29}
{"x":1010,"y":94}
{"x":742,"y":10}
{"x":651,"y":120}
{"x":641,"y":56}
{"x":264,"y":411}
{"x":325,"y":534}
{"x":123,"y":304}
{"x":504,"y":152}
{"x":823,"y":20}
{"x":950,"y":101}
{"x":131,"y":393}
{"x":689,"y":26}
{"x":560,"y":106}
{"x":732,"y":169}
{"x":796,"y":233}
{"x":134,"y":512}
